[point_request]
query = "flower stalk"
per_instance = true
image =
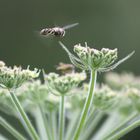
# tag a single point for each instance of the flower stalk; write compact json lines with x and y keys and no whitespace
{"x":45,"y":121}
{"x":87,"y":104}
{"x":26,"y":120}
{"x":10,"y":129}
{"x":124,"y":131}
{"x":121,"y":126}
{"x":62,"y":118}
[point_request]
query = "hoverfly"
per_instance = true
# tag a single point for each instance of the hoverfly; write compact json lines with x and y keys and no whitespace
{"x":56,"y":31}
{"x":65,"y":68}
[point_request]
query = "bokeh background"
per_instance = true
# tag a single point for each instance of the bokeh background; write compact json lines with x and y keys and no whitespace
{"x":102,"y":23}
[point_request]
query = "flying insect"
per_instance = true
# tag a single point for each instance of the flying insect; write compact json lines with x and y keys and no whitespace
{"x":65,"y":68}
{"x":56,"y":31}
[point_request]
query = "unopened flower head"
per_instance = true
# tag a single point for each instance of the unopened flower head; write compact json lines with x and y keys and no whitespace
{"x":61,"y":85}
{"x":92,"y":59}
{"x":14,"y":77}
{"x":95,"y":59}
{"x":105,"y":98}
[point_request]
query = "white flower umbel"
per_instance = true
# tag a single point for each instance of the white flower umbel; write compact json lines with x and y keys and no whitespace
{"x":16,"y":76}
{"x":131,"y":120}
{"x":95,"y":61}
{"x":61,"y":85}
{"x":11,"y":79}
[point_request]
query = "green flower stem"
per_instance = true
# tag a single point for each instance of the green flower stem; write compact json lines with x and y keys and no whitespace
{"x":11,"y":130}
{"x":92,"y":114}
{"x":126,"y":130}
{"x":53,"y":124}
{"x":121,"y":126}
{"x":111,"y":122}
{"x":87,"y":104}
{"x":61,"y":118}
{"x":45,"y":120}
{"x":24,"y":116}
{"x":90,"y":129}
{"x":72,"y":125}
{"x":40,"y":123}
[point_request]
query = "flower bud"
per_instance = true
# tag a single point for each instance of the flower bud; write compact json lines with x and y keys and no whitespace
{"x":92,"y":59}
{"x":95,"y":58}
{"x":61,"y":85}
{"x":16,"y":76}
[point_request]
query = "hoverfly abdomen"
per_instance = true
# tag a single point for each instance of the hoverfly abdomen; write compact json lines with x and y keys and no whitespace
{"x":43,"y":32}
{"x":47,"y":31}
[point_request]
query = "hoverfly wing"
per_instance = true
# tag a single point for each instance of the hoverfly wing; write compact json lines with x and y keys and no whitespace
{"x":70,"y":26}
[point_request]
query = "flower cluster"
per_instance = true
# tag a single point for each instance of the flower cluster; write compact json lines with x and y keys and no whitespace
{"x":61,"y":85}
{"x":128,"y":87}
{"x":94,"y":58}
{"x":42,"y":99}
{"x":14,"y":77}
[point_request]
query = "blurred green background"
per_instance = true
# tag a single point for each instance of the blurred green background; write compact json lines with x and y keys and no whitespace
{"x":110,"y":23}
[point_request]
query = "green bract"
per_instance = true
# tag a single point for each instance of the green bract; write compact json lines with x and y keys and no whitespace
{"x":92,"y":59}
{"x":61,"y":85}
{"x":14,"y":77}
